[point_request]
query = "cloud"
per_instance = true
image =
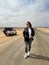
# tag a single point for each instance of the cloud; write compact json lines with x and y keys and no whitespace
{"x":17,"y":12}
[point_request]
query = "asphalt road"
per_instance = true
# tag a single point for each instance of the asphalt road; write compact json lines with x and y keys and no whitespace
{"x":13,"y":54}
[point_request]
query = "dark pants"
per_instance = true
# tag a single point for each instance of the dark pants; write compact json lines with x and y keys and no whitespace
{"x":28,"y":46}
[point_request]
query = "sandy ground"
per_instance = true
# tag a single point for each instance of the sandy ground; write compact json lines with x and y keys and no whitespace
{"x":6,"y":41}
{"x":46,"y":30}
{"x":5,"y":38}
{"x":12,"y":50}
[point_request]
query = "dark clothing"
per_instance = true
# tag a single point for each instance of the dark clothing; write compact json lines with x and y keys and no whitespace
{"x":27,"y":40}
{"x":26,"y":34}
{"x":28,"y":46}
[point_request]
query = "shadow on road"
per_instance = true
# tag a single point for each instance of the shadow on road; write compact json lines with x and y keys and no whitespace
{"x":40,"y":57}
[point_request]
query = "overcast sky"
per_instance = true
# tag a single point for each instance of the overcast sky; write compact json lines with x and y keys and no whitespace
{"x":18,"y":12}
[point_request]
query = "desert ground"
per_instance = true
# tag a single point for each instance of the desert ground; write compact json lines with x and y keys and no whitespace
{"x":4,"y":40}
{"x":46,"y":30}
{"x":12,"y":48}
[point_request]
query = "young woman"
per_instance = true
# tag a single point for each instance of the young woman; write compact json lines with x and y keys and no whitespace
{"x":28,"y":34}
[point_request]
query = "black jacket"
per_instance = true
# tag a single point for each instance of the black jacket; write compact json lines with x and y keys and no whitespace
{"x":26,"y":34}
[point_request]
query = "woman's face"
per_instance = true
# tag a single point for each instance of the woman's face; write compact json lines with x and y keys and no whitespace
{"x":27,"y":25}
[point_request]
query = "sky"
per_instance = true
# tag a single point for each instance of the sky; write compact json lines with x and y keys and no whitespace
{"x":15,"y":13}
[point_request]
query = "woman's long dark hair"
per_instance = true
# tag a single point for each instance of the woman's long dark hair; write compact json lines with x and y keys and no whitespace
{"x":29,"y":24}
